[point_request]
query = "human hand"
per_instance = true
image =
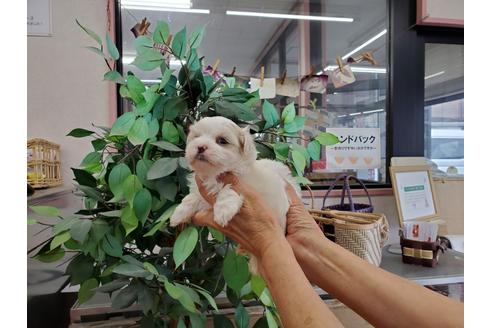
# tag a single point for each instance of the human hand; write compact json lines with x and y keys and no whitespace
{"x":255,"y":227}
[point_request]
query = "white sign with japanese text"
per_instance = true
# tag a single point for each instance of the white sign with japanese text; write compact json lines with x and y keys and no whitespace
{"x":359,"y":148}
{"x":39,"y":17}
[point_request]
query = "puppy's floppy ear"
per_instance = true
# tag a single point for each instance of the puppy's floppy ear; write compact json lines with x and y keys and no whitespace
{"x":247,"y":143}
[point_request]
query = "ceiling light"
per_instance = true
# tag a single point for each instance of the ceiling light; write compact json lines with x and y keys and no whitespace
{"x":373,"y":111}
{"x":156,"y":3}
{"x":287,"y":16}
{"x":151,"y":81}
{"x":359,"y":69}
{"x":174,"y":10}
{"x":368,"y":42}
{"x":354,"y":114}
{"x":434,"y":75}
{"x":340,"y":116}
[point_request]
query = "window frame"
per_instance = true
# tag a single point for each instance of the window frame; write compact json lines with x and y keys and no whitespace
{"x":405,"y":78}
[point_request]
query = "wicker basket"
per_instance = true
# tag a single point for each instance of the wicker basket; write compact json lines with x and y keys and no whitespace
{"x":351,"y":206}
{"x":43,"y":164}
{"x":364,"y":234}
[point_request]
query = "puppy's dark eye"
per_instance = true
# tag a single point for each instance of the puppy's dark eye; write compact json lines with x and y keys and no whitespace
{"x":221,"y":141}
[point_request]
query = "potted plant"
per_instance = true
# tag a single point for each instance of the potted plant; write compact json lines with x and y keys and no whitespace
{"x":136,"y":175}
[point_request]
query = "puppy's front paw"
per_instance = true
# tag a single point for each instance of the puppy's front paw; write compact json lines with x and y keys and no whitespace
{"x":182,"y":214}
{"x":223,"y":214}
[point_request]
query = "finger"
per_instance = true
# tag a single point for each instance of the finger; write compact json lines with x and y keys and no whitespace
{"x":210,"y":198}
{"x":206,"y":218}
{"x":292,"y":194}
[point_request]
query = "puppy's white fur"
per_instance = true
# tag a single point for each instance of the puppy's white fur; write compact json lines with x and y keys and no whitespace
{"x":216,"y":145}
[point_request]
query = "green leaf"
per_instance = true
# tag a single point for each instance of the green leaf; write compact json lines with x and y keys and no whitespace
{"x":241,"y":317}
{"x":299,"y":161}
{"x":51,"y":256}
{"x":221,"y":321}
{"x":261,"y":323}
{"x":91,"y":192}
{"x":148,"y":60}
{"x":80,"y":269}
{"x":153,"y":128}
{"x":143,"y":44}
{"x":270,"y":115}
{"x":198,"y":320}
{"x":161,"y":32}
{"x":111,"y":214}
{"x":184,"y":245}
{"x":183,"y":163}
{"x":91,"y":159}
{"x":327,"y":139}
{"x":235,"y":271}
{"x":272,"y":323}
{"x":123,"y":124}
{"x":139,"y":132}
{"x":180,"y":295}
{"x":80,"y":133}
{"x":234,"y":110}
{"x":266,"y":298}
{"x":45,"y":210}
{"x":31,"y":221}
{"x":117,"y":176}
{"x":151,"y":268}
{"x":58,"y":240}
{"x":162,"y":167}
{"x":196,"y":37}
{"x":193,"y":61}
{"x":314,"y":149}
{"x":113,"y":51}
{"x":129,"y":220}
{"x":173,"y":106}
{"x":114,"y":76}
{"x":179,"y":43}
{"x":166,"y":145}
{"x":169,"y":132}
{"x":219,"y":236}
{"x":289,"y":113}
{"x":99,"y":229}
{"x":112,"y":246}
{"x":86,"y":290}
{"x":257,"y":285}
{"x":165,"y":78}
{"x":302,"y":150}
{"x":145,"y":298}
{"x":167,"y":188}
{"x":136,"y":88}
{"x":161,"y":220}
{"x":209,"y":298}
{"x":296,"y":125}
{"x":131,"y":270}
{"x":80,"y":229}
{"x":112,"y":286}
{"x":84,"y":178}
{"x":126,"y":297}
{"x":281,"y":150}
{"x":98,"y":52}
{"x":142,"y":203}
{"x":90,"y":33}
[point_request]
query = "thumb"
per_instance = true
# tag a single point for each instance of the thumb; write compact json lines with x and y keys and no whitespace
{"x":205,"y":218}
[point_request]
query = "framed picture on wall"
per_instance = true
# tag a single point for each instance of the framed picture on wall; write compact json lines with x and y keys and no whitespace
{"x":39,"y":18}
{"x":414,"y":193}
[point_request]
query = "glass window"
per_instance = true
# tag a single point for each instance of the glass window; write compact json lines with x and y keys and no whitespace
{"x":239,"y":34}
{"x":444,"y":106}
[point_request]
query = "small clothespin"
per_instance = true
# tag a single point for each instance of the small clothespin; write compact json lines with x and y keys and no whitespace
{"x":282,"y":79}
{"x":231,"y":74}
{"x":311,"y":71}
{"x":262,"y":75}
{"x":169,"y":38}
{"x":140,"y":28}
{"x":340,"y":63}
{"x":369,"y":57}
{"x":216,"y":65}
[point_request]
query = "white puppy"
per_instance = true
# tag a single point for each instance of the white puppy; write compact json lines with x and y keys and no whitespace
{"x":216,"y":145}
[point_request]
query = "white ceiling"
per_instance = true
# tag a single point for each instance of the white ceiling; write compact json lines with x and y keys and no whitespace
{"x":238,"y":41}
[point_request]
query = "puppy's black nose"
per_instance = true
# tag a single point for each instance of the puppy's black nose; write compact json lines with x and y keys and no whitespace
{"x":201,"y":149}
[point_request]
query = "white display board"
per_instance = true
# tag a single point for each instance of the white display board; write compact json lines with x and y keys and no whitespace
{"x":441,"y":13}
{"x":359,"y":148}
{"x":414,"y":192}
{"x":39,"y":17}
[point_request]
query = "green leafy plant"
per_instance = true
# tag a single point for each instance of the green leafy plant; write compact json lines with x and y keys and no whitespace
{"x":136,"y":175}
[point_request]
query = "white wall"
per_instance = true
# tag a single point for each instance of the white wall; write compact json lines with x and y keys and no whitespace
{"x":64,"y":80}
